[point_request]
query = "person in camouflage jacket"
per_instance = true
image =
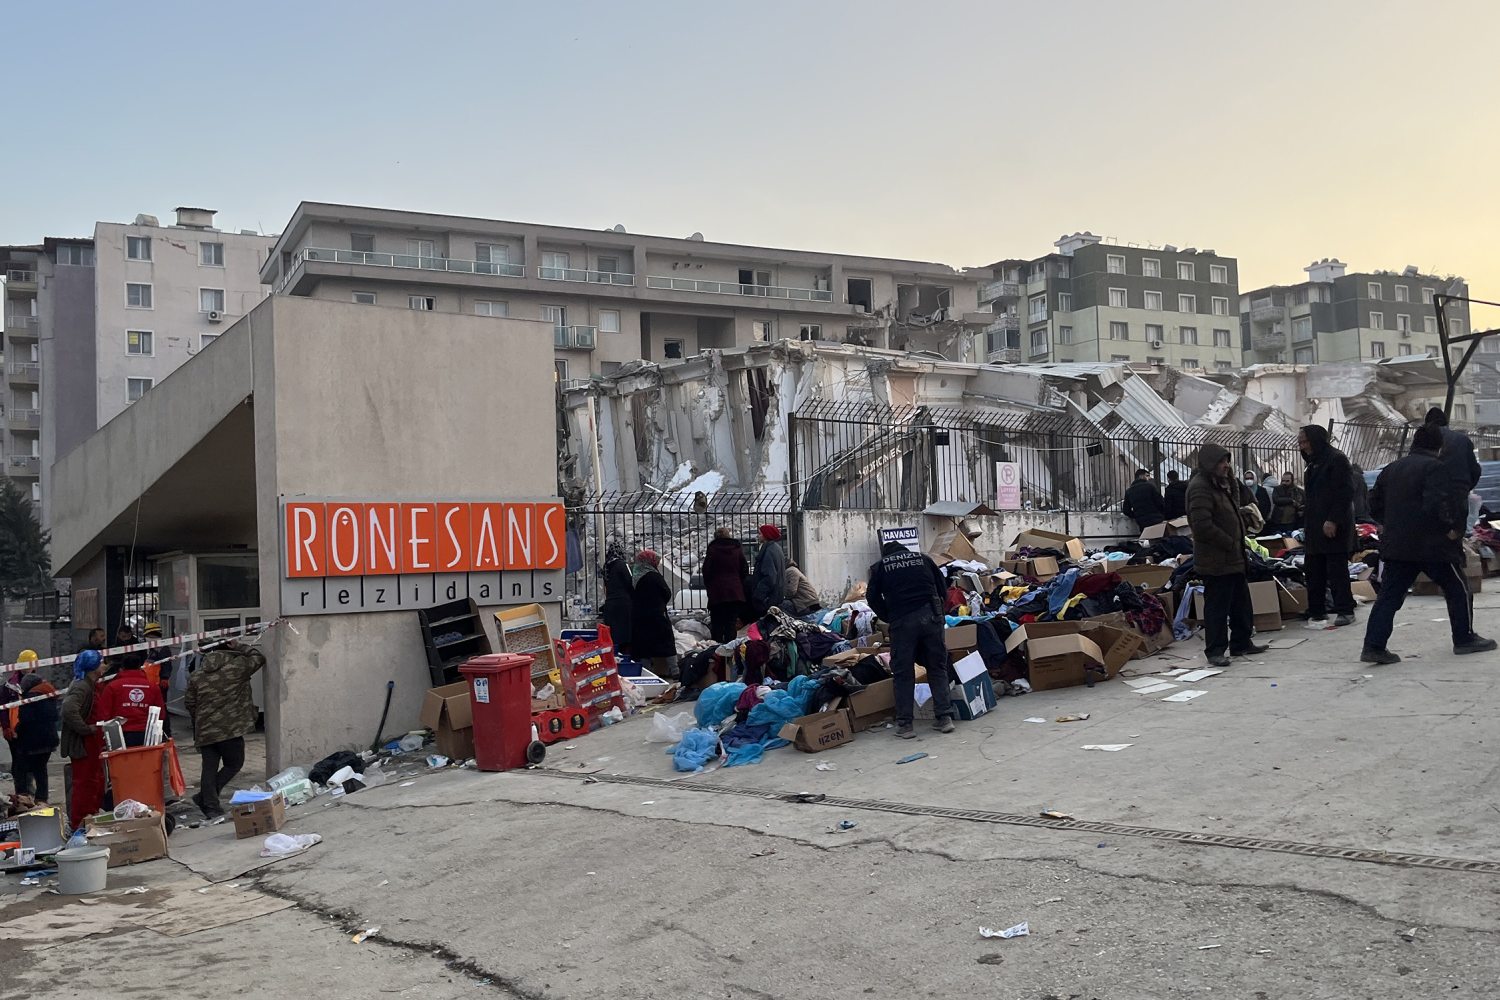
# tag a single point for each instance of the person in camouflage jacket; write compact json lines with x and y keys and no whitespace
{"x":218,"y":699}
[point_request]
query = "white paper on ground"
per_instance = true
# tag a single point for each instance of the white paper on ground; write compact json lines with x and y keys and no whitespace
{"x":1156,"y":688}
{"x":1033,"y":719}
{"x":1198,"y":675}
{"x":1184,"y":696}
{"x":1141,"y":682}
{"x":1178,"y":672}
{"x":1019,"y":930}
{"x":1106,"y":747}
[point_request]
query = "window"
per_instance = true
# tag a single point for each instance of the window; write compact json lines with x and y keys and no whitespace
{"x":1152,"y":359}
{"x":1187,"y":303}
{"x":1377,"y":321}
{"x":422,"y":303}
{"x":1219,"y":305}
{"x":1302,"y":328}
{"x":1299,"y":297}
{"x":672,"y":348}
{"x":423,"y":250}
{"x":36,"y":492}
{"x":609,"y":265}
{"x":1120,"y":357}
{"x":1187,"y":334}
{"x":362,"y":242}
{"x":1119,"y":331}
{"x":609,"y":321}
{"x":138,"y":343}
{"x":860,"y":292}
{"x":204,"y":339}
{"x":1187,"y":271}
{"x":1302,"y":356}
{"x":1403,"y":322}
{"x":491,"y":254}
{"x":1038,"y":306}
{"x":1061,"y":269}
{"x":1489,"y":345}
{"x":138,"y":247}
{"x":1377,"y":349}
{"x":211,"y":254}
{"x":1461,"y":411}
{"x":137,"y":296}
{"x":1038,"y":342}
{"x":1154,"y":333}
{"x":556,"y":315}
{"x":1191,"y":363}
{"x":1153,"y":301}
{"x":1402,"y":294}
{"x":490,"y":308}
{"x":559,"y":370}
{"x":1065,"y":302}
{"x":555,"y":265}
{"x":1403,"y":350}
{"x":1221,"y":338}
{"x":1151,"y":267}
{"x":1115,"y":263}
{"x":1427,"y":296}
{"x":211,"y":300}
{"x":1117,"y":298}
{"x":78,"y":256}
{"x":810,"y":331}
{"x":1455,"y":328}
{"x":1224,"y":366}
{"x":763,"y":332}
{"x":1373,"y":289}
{"x":364,"y":298}
{"x":1065,"y":335}
{"x":1218,"y":274}
{"x":135,"y":388}
{"x":1429,"y":324}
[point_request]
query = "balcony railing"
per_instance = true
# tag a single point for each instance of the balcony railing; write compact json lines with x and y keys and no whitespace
{"x":25,"y":465}
{"x":1004,"y":323}
{"x":1008,"y":354}
{"x":18,"y":276}
{"x":735,"y":288}
{"x":574,"y":338}
{"x":999,"y":290}
{"x":415,"y":262}
{"x":25,"y":419}
{"x":24,"y":371}
{"x":21,"y":325}
{"x":579,"y":274}
{"x":1262,"y":310}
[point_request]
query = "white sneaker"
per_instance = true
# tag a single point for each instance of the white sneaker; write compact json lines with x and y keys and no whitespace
{"x":1317,"y":625}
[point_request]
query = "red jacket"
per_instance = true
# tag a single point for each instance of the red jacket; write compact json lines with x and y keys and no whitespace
{"x":128,"y":695}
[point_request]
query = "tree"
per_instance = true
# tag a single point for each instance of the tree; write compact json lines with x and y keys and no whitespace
{"x":23,"y":544}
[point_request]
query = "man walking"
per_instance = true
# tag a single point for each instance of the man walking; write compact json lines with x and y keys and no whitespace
{"x":1419,"y":533}
{"x":1174,"y":497}
{"x":1143,"y":501}
{"x":907,"y":589}
{"x":1213,"y":504}
{"x":1328,"y":528}
{"x":218,"y":700}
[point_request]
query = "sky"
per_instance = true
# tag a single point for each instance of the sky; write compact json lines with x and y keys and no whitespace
{"x":960,"y":132}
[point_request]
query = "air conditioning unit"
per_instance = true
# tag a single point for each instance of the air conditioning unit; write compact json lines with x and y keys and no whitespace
{"x":1155,"y":345}
{"x":215,"y":317}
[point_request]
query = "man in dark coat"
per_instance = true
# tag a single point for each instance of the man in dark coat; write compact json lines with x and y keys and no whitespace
{"x":1143,"y":501}
{"x":1328,"y":527}
{"x":1419,"y":533}
{"x":618,"y":588}
{"x":36,"y":736}
{"x":907,"y":591}
{"x":1460,"y":467}
{"x":1174,"y":497}
{"x":726,"y":578}
{"x":1287,"y":502}
{"x":1213,"y":504}
{"x":768,"y":585}
{"x":651,"y":638}
{"x":1259,"y":494}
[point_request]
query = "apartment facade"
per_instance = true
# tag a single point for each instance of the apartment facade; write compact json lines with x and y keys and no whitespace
{"x":613,"y":297}
{"x":22,"y":318}
{"x":162,"y":293}
{"x":1097,"y":301}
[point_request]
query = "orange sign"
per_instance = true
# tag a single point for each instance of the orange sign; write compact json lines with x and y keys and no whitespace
{"x":353,"y":538}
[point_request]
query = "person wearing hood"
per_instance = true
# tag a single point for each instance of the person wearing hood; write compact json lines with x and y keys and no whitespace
{"x":1419,"y":533}
{"x":82,"y":743}
{"x":219,"y":702}
{"x":1143,"y":501}
{"x":651,"y":638}
{"x":907,"y":591}
{"x":1217,"y":524}
{"x":768,"y":585}
{"x":616,"y":612}
{"x":801,"y":597}
{"x":1460,"y":468}
{"x":1174,"y":497}
{"x":726,"y":579}
{"x":1328,"y":528}
{"x":36,"y":736}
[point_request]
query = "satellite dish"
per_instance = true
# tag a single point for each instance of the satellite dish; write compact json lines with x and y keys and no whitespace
{"x":696,"y":236}
{"x":618,"y":228}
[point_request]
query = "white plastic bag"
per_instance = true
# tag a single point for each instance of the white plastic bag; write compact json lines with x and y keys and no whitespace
{"x":278,"y":844}
{"x":131,"y":809}
{"x":669,"y":728}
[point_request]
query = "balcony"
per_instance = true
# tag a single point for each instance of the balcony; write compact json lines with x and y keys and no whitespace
{"x":735,"y":288}
{"x":24,"y":465}
{"x":1009,"y":355}
{"x":24,"y":420}
{"x":401,"y":261}
{"x":996,"y":290}
{"x":24,"y":372}
{"x":1267,"y":340}
{"x":588,"y":277}
{"x":574,"y":338}
{"x":1004,"y":323}
{"x":17,"y":278}
{"x":21,"y":326}
{"x":1264,"y":310}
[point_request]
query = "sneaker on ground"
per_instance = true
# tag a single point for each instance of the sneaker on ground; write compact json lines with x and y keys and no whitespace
{"x":906,"y":732}
{"x":1343,"y":620}
{"x":1476,"y":644}
{"x":945,"y":726}
{"x":1316,"y":624}
{"x":1380,"y":656}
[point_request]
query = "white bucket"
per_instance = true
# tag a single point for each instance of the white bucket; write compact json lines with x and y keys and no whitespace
{"x":81,"y":870}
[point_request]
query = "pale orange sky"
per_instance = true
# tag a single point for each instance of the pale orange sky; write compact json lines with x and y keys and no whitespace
{"x":953,"y":131}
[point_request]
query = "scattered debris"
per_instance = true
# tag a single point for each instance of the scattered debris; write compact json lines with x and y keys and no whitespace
{"x":1054,"y":814}
{"x":437,"y":760}
{"x":1019,"y":930}
{"x":365,"y":935}
{"x":1033,"y":719}
{"x":1194,"y":676}
{"x":758,"y":854}
{"x":1106,"y":747}
{"x":804,"y":797}
{"x":1409,"y":935}
{"x":1182,"y":696}
{"x":992,"y":958}
{"x":847,"y":824}
{"x":825,"y":765}
{"x":1054,"y":899}
{"x":911,"y":757}
{"x":1080,"y":717}
{"x":1209,"y":947}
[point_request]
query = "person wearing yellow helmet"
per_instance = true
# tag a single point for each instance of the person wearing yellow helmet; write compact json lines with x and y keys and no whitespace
{"x":10,"y":718}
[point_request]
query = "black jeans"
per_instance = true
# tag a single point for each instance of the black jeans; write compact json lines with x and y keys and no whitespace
{"x":918,"y":636}
{"x":1396,"y":578}
{"x":30,"y":770}
{"x":221,"y":762}
{"x":1325,"y":571}
{"x":722,"y":619}
{"x":1228,"y":621}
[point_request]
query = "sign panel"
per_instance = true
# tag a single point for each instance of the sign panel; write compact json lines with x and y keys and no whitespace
{"x":346,"y":556}
{"x":1007,"y":486}
{"x":906,"y":536}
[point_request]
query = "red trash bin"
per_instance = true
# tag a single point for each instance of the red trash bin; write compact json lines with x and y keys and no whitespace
{"x":500,"y":700}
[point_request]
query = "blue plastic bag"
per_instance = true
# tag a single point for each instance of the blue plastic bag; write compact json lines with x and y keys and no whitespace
{"x":717,"y":702}
{"x":697,"y":748}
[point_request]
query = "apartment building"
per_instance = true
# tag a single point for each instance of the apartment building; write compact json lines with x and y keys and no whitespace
{"x":21,"y":318}
{"x":1098,"y":301}
{"x":613,"y":297}
{"x":162,"y":293}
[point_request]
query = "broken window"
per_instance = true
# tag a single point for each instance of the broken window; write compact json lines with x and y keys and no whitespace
{"x":758,"y":391}
{"x":810,"y":331}
{"x":672,"y":349}
{"x":862,"y":293}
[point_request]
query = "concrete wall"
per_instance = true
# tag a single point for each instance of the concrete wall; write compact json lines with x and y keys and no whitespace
{"x":340,"y":413}
{"x":68,"y":391}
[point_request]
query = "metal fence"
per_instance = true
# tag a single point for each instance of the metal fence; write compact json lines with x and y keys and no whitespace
{"x":678,"y":527}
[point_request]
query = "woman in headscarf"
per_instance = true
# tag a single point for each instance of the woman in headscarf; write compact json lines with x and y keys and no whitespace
{"x":82,"y":743}
{"x":768,"y":584}
{"x":651,"y":638}
{"x":618,"y":587}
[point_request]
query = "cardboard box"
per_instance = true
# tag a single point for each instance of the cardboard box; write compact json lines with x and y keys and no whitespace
{"x":1265,"y":606}
{"x":1278,"y":544}
{"x":1364,"y":592}
{"x":1176,"y":526}
{"x":961,"y":636}
{"x":875,"y":704}
{"x":951,"y":545}
{"x":256,"y":819}
{"x":1042,"y":568}
{"x":1118,"y":642}
{"x":130,"y":840}
{"x":820,"y":731}
{"x":1293,"y":598}
{"x":447,"y":713}
{"x":974,"y":695}
{"x":1151,"y":577}
{"x":1037,"y":539}
{"x":1059,"y":654}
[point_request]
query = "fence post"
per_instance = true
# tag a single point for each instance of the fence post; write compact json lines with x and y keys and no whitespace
{"x":1155,"y":458}
{"x":793,"y":488}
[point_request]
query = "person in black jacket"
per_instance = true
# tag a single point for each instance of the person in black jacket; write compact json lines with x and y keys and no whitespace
{"x":907,"y":591}
{"x":1328,"y":528}
{"x":1460,"y":468}
{"x":1143,"y":501}
{"x":1174,"y":497}
{"x":36,"y":736}
{"x":1259,"y":494}
{"x":726,"y":581}
{"x":618,"y":588}
{"x":651,"y":638}
{"x":1361,"y":492}
{"x":1418,"y":534}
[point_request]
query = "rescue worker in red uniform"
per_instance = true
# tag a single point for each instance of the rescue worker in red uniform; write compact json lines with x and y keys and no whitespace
{"x":129,"y":695}
{"x":82,"y":743}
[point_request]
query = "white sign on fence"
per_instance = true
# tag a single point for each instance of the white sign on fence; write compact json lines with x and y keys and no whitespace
{"x":1007,"y":486}
{"x":901,"y":536}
